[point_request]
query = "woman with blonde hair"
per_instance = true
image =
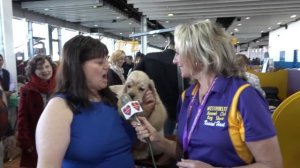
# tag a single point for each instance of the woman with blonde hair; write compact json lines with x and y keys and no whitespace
{"x":116,"y":73}
{"x":222,"y":121}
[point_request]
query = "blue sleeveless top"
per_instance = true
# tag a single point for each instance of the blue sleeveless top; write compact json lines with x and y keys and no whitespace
{"x":99,"y":138}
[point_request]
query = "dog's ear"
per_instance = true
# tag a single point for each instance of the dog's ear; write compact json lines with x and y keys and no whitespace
{"x":125,"y":88}
{"x":152,"y":86}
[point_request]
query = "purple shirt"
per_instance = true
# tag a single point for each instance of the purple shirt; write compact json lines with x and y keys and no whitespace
{"x":219,"y":136}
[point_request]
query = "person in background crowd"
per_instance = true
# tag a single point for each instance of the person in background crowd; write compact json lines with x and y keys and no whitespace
{"x":116,"y":72}
{"x":7,"y":82}
{"x":222,"y":122}
{"x":127,"y":65}
{"x":243,"y":63}
{"x":34,"y":96}
{"x":138,"y":58}
{"x":80,"y":126}
{"x":4,"y":124}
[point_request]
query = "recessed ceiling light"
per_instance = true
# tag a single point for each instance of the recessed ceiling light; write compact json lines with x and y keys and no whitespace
{"x":170,"y":14}
{"x":236,"y":29}
{"x":118,"y":17}
{"x":262,"y":31}
{"x":279,"y":23}
{"x":96,"y":25}
{"x":207,"y":20}
{"x":121,"y":33}
{"x":166,"y":21}
{"x":130,"y":23}
{"x":96,"y":6}
{"x":293,"y":16}
{"x":247,"y":18}
{"x":240,"y":24}
{"x":269,"y":28}
{"x":47,"y":9}
{"x":166,"y":41}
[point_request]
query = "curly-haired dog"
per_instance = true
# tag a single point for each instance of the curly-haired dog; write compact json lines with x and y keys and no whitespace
{"x":136,"y":86}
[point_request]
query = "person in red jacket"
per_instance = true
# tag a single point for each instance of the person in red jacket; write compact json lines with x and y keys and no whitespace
{"x":34,"y":96}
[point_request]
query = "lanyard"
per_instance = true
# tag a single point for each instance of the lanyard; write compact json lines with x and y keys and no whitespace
{"x":187,"y":134}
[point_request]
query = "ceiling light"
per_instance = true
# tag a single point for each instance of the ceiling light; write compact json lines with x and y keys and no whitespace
{"x":118,"y":17}
{"x":293,"y":16}
{"x":166,"y":21}
{"x":240,"y":24}
{"x":96,"y":6}
{"x":166,"y":41}
{"x":279,"y":23}
{"x":247,"y":18}
{"x":121,"y":33}
{"x":170,"y":14}
{"x":262,"y":31}
{"x":96,"y":25}
{"x":130,"y":23}
{"x":269,"y":28}
{"x":236,"y":29}
{"x":207,"y":20}
{"x":47,"y":9}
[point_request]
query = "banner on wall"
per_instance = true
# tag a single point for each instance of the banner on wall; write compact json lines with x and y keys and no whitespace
{"x":121,"y":45}
{"x":295,"y":59}
{"x":282,"y":56}
{"x":134,"y":45}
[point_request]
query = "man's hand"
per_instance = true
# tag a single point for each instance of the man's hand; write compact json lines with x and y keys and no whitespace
{"x":148,"y":101}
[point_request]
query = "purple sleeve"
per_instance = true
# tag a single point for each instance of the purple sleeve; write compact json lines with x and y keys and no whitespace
{"x":256,"y":116}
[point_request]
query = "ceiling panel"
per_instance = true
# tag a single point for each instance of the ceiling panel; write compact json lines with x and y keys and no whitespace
{"x":265,"y":15}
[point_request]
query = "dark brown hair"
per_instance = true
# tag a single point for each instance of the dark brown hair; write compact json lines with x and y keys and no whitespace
{"x":34,"y":61}
{"x":71,"y":79}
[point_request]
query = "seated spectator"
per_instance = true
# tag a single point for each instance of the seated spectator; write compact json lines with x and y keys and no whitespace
{"x":251,"y":78}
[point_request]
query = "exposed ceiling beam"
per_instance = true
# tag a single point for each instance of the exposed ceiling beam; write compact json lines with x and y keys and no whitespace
{"x":214,"y":15}
{"x":60,"y":3}
{"x":189,"y":1}
{"x":266,"y":5}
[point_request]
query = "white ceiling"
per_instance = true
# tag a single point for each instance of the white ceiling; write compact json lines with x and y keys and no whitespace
{"x":265,"y":15}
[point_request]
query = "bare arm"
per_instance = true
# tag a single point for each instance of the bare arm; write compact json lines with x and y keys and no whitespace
{"x":53,"y":133}
{"x":266,"y":153}
{"x":159,"y":142}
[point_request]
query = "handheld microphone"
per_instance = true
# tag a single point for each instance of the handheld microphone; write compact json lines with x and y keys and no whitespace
{"x":130,"y":110}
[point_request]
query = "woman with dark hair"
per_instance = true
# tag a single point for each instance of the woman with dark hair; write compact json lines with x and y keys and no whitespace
{"x":34,"y":96}
{"x":80,"y":126}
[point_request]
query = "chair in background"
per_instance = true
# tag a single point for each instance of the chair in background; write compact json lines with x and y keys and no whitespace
{"x":286,"y":120}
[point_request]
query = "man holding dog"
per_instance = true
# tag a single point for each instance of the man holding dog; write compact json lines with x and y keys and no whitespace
{"x":160,"y":68}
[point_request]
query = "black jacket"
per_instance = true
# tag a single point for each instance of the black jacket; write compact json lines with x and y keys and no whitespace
{"x":160,"y":68}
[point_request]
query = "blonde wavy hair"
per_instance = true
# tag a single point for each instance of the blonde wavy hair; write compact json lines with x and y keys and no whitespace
{"x":207,"y":47}
{"x":116,"y":56}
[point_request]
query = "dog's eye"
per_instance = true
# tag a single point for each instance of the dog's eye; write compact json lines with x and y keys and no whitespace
{"x":141,"y":89}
